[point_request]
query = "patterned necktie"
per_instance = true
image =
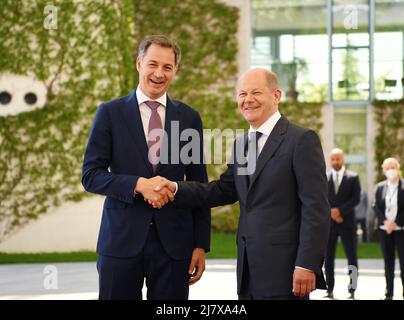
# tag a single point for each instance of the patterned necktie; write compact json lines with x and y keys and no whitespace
{"x":155,"y":138}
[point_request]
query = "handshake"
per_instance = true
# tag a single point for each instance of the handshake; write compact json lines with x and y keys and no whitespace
{"x":157,"y":191}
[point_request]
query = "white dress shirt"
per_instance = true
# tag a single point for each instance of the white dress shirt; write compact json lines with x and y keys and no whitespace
{"x":266,"y":129}
{"x":391,"y":203}
{"x":145,"y":111}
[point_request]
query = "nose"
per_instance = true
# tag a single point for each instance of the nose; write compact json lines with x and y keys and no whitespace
{"x":159,"y":73}
{"x":248,"y":98}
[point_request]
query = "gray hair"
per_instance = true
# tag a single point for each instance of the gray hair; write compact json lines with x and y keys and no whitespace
{"x":161,"y":41}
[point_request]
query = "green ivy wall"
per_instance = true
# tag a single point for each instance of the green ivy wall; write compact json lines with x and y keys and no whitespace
{"x":91,"y":58}
{"x":389,"y":140}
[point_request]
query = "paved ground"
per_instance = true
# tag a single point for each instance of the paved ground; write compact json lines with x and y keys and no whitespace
{"x":79,"y":281}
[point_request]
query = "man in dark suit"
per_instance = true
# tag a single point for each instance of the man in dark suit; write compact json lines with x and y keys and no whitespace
{"x":165,"y":247}
{"x":283,"y":225}
{"x":343,"y":195}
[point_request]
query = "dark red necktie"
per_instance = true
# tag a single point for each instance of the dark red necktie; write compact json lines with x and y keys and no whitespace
{"x":155,"y":138}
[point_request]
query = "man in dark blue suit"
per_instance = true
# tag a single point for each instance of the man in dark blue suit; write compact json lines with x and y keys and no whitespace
{"x":344,"y":191}
{"x":167,"y":246}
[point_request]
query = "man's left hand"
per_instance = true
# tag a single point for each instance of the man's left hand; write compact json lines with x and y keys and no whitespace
{"x":304,"y":282}
{"x":197,"y":266}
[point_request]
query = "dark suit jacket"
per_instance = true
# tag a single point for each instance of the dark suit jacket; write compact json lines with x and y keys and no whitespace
{"x":379,"y":204}
{"x":347,"y":198}
{"x":284,"y":213}
{"x":116,"y":156}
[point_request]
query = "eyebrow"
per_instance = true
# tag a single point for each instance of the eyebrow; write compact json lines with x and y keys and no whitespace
{"x":166,"y":64}
{"x":255,"y":89}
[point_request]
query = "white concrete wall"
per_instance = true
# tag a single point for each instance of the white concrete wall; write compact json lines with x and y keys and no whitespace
{"x":71,"y":227}
{"x":243,"y":33}
{"x":372,"y":128}
{"x":327,"y":132}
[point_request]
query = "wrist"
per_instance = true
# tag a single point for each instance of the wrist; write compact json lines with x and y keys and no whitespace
{"x":139,"y":185}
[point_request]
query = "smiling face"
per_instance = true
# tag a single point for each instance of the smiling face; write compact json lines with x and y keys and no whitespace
{"x":156,"y":70}
{"x":258,"y":96}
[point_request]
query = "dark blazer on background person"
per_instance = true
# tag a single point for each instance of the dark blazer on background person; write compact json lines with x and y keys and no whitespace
{"x":116,"y":156}
{"x":347,"y":198}
{"x":390,"y":243}
{"x":284,"y":212}
{"x":379,"y":204}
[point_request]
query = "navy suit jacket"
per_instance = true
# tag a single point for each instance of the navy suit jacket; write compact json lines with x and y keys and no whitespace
{"x":117,"y":155}
{"x":347,"y":198}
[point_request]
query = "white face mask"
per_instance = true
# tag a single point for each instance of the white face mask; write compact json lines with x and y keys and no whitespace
{"x":391,"y":174}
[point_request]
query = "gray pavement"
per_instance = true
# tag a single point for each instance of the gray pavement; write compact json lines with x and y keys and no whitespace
{"x":78,"y":281}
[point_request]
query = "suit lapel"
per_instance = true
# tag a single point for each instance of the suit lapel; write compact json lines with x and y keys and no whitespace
{"x":271,"y":145}
{"x":384,"y":191}
{"x":243,"y":178}
{"x":400,"y":193}
{"x":133,"y":121}
{"x":172,"y":114}
{"x":343,"y":180}
{"x":331,"y":186}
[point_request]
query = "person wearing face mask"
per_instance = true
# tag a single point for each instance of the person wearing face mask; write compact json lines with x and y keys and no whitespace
{"x":389,"y":208}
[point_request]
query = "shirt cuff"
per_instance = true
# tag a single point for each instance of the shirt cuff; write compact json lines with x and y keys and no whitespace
{"x":176,"y":187}
{"x":297,"y":267}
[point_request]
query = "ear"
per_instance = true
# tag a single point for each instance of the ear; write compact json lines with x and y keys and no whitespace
{"x":138,"y":62}
{"x":278,"y":95}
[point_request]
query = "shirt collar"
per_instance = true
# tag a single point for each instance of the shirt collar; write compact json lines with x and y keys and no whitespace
{"x":340,"y":172}
{"x":392,"y":184}
{"x":141,"y":98}
{"x":267,"y":127}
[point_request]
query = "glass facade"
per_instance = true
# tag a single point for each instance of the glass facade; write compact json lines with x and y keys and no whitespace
{"x":342,"y":52}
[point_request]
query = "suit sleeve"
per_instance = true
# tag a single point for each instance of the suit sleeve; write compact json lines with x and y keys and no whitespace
{"x":96,"y":177}
{"x":349,"y":206}
{"x":400,"y":212}
{"x":213,"y":194}
{"x":376,"y":206}
{"x":310,"y":172}
{"x":197,"y":172}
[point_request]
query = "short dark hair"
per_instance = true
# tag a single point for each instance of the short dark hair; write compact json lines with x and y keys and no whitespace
{"x":161,"y":41}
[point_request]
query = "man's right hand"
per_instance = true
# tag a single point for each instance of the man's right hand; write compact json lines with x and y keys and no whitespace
{"x":336,"y":215}
{"x":164,"y":184}
{"x":146,"y":188}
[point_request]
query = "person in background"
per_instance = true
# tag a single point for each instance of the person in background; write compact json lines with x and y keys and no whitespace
{"x":389,"y":209}
{"x":343,"y":195}
{"x":361,"y":212}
